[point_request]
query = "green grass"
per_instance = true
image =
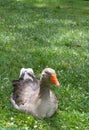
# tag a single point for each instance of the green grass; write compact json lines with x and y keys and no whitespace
{"x":41,"y":33}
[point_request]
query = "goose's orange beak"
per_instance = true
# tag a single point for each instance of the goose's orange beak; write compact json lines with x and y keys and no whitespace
{"x":54,"y":80}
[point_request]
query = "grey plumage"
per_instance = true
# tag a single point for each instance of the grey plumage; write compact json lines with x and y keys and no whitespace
{"x":34,"y":96}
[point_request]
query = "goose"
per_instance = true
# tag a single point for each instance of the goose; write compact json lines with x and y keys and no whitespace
{"x":34,"y":96}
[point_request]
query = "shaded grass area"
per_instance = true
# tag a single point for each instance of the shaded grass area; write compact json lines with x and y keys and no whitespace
{"x":41,"y":34}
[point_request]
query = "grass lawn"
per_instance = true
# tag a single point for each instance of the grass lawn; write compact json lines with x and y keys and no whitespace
{"x":41,"y":33}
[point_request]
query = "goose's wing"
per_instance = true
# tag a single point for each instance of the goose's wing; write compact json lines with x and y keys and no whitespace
{"x":24,"y":90}
{"x":26,"y":73}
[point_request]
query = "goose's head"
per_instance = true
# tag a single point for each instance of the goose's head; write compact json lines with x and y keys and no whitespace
{"x":49,"y":75}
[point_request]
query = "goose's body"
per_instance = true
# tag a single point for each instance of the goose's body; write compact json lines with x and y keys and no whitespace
{"x":34,"y":96}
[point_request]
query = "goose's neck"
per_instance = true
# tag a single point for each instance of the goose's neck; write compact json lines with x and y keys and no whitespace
{"x":44,"y":89}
